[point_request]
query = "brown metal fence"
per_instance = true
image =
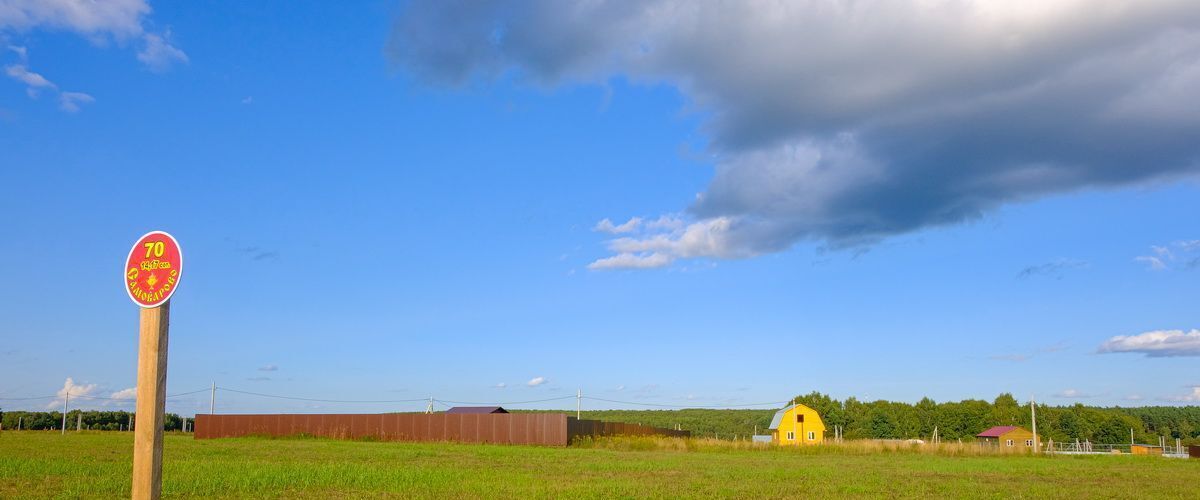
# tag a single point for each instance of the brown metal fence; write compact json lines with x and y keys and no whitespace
{"x":553,"y":429}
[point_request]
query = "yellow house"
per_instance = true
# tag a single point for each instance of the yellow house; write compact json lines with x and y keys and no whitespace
{"x":1007,"y":437}
{"x":796,"y":425}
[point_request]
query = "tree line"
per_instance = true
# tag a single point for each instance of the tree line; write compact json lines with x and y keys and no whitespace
{"x":92,"y":420}
{"x":953,"y":420}
{"x":964,"y":419}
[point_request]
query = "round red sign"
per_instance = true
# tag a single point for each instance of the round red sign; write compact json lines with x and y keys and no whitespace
{"x":153,"y":269}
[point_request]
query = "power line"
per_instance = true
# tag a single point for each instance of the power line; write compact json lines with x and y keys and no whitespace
{"x":85,"y":396}
{"x":444,"y":402}
{"x":510,"y":403}
{"x":27,"y":399}
{"x":187,"y":393}
{"x":321,"y":400}
{"x":774,"y":403}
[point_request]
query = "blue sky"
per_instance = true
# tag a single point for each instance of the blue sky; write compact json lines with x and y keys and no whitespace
{"x":397,"y":201}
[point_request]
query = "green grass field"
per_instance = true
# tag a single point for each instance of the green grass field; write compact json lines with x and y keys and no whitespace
{"x":45,"y":464}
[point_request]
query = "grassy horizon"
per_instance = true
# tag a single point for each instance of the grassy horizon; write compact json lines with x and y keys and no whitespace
{"x":37,"y":464}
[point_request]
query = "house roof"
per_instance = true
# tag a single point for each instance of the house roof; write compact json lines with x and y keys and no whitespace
{"x":778,"y":418}
{"x":477,"y":410}
{"x":996,"y":431}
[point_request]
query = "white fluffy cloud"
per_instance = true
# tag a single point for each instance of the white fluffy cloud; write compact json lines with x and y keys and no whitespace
{"x":74,"y":390}
{"x":846,"y":122}
{"x":536,"y":381}
{"x":125,"y":394}
{"x":1156,"y":344}
{"x":121,"y":18}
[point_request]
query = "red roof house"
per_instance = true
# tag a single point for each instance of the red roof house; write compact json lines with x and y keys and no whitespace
{"x":996,"y":431}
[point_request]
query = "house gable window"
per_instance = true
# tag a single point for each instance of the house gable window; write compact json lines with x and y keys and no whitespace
{"x":1009,"y":442}
{"x":791,"y":436}
{"x":812,"y":436}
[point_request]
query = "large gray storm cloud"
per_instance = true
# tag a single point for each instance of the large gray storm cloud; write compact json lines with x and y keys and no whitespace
{"x":846,"y":122}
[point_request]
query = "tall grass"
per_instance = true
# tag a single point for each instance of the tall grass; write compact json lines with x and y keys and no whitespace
{"x":97,"y":465}
{"x":848,"y":447}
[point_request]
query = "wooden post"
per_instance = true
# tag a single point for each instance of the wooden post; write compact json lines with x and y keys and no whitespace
{"x":151,"y":402}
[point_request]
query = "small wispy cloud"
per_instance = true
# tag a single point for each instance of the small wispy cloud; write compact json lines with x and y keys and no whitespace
{"x":259,"y":379}
{"x":1191,"y":397}
{"x":1152,"y":263}
{"x":257,"y":253}
{"x":248,"y":100}
{"x":536,"y":381}
{"x":1010,"y":357}
{"x":268,"y":368}
{"x":35,"y":84}
{"x":70,"y":101}
{"x":632,"y":261}
{"x":1156,"y":344}
{"x":1031,"y":353}
{"x":125,"y":394}
{"x":1056,"y":347}
{"x":158,"y":54}
{"x":1055,"y":269}
{"x":500,"y":385}
{"x":1180,"y":254}
{"x":1073,"y":394}
{"x":607,"y":226}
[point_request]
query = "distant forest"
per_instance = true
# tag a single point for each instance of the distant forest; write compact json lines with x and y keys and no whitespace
{"x":858,"y":419}
{"x":92,"y":420}
{"x":954,"y":420}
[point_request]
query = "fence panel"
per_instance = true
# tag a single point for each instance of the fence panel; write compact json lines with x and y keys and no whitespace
{"x":530,"y":428}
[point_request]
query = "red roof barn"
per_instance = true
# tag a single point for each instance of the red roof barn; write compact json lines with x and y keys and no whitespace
{"x":476,"y":410}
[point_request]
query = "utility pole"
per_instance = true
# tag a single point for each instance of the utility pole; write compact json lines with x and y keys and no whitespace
{"x":65,"y":401}
{"x":78,"y":421}
{"x":212,"y":398}
{"x":429,"y":407}
{"x":1033,"y":416}
{"x":578,"y":400}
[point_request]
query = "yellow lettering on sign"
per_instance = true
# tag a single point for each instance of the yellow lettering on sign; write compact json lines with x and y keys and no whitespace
{"x":155,"y":247}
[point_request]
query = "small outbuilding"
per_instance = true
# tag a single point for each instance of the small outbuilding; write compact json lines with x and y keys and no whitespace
{"x":476,"y":410}
{"x":796,"y":425}
{"x":1145,"y":449}
{"x":1007,"y":437}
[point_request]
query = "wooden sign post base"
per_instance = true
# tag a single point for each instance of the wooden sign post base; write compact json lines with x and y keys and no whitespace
{"x":151,"y":402}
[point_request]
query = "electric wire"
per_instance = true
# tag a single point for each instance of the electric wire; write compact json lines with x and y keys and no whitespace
{"x":322,"y":400}
{"x":663,"y":405}
{"x":85,"y":396}
{"x":510,"y":403}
